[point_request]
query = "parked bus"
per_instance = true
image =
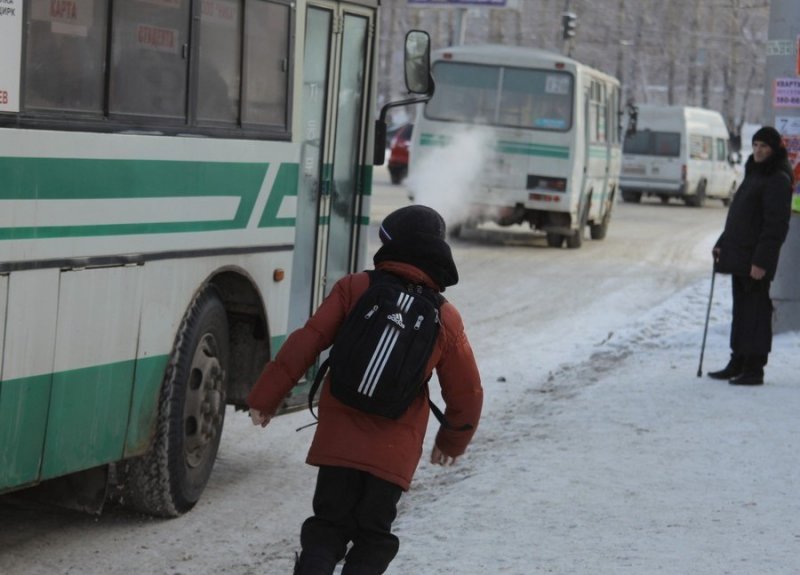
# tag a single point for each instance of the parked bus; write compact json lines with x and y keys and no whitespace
{"x":180,"y":183}
{"x":678,"y":152}
{"x":553,"y":134}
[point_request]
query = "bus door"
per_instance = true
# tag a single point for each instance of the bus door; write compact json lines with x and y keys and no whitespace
{"x":334,"y":127}
{"x":597,"y":144}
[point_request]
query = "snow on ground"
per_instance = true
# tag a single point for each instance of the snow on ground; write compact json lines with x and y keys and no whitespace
{"x":625,"y":462}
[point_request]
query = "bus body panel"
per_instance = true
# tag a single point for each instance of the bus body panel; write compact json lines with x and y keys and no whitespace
{"x":28,"y":353}
{"x":89,"y":405}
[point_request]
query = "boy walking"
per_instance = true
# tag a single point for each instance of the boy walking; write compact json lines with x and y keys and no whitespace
{"x":366,"y":461}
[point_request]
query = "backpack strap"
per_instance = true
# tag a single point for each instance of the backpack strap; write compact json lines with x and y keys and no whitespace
{"x":323,"y":369}
{"x":442,"y":419}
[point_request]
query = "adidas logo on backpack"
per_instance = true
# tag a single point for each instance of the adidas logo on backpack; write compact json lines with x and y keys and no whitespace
{"x":397,"y":319}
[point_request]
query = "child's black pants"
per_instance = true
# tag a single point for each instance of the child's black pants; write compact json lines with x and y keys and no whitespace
{"x":352,"y":506}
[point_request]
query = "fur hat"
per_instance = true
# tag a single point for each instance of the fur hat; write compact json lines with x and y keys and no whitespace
{"x":416,"y":235}
{"x":770,"y":136}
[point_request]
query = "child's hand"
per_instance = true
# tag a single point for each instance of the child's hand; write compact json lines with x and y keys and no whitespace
{"x":259,"y":418}
{"x":439,"y":458}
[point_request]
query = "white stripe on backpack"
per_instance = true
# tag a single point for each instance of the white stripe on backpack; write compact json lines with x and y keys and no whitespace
{"x":386,"y":344}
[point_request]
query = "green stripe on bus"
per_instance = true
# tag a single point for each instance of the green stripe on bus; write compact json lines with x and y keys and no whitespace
{"x":285,"y":185}
{"x":598,"y":152}
{"x":83,"y":179}
{"x":435,"y":140}
{"x":526,"y":149}
{"x":275,"y":343}
{"x":23,"y":420}
{"x":144,"y":403}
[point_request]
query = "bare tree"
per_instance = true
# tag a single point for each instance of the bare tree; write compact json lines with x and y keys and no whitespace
{"x":706,"y":52}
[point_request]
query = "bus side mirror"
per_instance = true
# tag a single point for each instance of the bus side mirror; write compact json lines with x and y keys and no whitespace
{"x":418,"y":62}
{"x":418,"y":81}
{"x":633,"y":116}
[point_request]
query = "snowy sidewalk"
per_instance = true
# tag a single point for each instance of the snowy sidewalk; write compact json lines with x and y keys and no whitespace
{"x":626,"y":462}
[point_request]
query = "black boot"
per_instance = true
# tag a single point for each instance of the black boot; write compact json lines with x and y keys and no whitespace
{"x":733,"y":369}
{"x":312,"y":564}
{"x":360,"y":569}
{"x":752,"y":371}
{"x":748,"y":378}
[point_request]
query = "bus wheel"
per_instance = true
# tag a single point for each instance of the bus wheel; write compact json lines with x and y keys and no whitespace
{"x":631,"y":197}
{"x":555,"y":240}
{"x":168,"y":480}
{"x":575,"y":240}
{"x":598,"y":231}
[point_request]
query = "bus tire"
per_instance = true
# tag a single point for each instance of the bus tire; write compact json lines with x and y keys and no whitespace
{"x":575,"y":240}
{"x":631,"y":197}
{"x":168,"y":480}
{"x":599,"y":231}
{"x":555,"y":240}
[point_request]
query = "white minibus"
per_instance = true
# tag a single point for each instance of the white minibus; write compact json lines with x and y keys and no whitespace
{"x":678,"y":152}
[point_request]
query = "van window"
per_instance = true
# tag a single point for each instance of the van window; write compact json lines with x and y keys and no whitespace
{"x":701,"y":147}
{"x":722,"y":150}
{"x":649,"y":143}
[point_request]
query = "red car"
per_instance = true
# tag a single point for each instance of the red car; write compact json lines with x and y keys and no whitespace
{"x":398,"y":154}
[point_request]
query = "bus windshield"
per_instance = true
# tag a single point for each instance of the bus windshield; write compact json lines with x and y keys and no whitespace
{"x":650,"y":143}
{"x":502,"y":96}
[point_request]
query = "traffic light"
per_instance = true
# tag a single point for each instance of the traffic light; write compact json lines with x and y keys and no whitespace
{"x":568,"y":21}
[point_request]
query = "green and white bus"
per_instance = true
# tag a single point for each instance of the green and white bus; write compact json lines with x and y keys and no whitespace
{"x":180,"y":181}
{"x":550,"y":126}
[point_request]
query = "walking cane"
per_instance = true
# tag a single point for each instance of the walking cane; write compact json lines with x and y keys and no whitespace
{"x":705,"y":330}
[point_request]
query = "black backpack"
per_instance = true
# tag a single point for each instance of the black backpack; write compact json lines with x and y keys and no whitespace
{"x":380,"y":353}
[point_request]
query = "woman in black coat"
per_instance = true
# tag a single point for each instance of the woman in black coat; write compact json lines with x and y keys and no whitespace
{"x":748,"y":249}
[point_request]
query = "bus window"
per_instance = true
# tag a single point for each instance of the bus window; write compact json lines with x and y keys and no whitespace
{"x":148,"y":61}
{"x":527,"y":98}
{"x":266,"y":78}
{"x":548,"y":98}
{"x":65,"y":58}
{"x":220,"y":62}
{"x":598,"y":107}
{"x":464,"y":92}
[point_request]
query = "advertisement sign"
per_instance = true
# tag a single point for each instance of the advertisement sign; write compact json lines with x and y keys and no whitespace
{"x":792,"y":144}
{"x":68,"y":17}
{"x":789,"y":127}
{"x":10,"y":54}
{"x":786,"y":93}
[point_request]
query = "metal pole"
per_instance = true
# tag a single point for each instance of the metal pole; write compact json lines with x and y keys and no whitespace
{"x":705,"y":330}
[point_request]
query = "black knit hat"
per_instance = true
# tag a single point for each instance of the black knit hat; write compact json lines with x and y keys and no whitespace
{"x":770,"y":136}
{"x":416,"y":235}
